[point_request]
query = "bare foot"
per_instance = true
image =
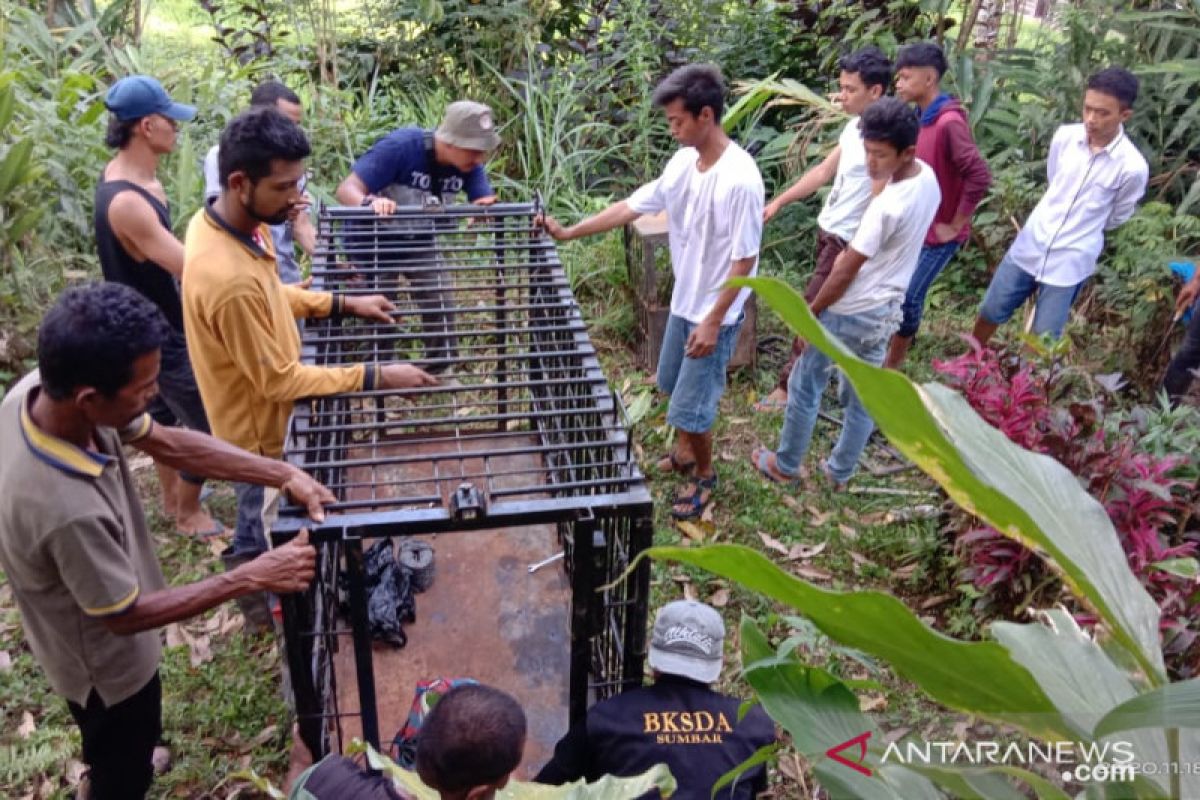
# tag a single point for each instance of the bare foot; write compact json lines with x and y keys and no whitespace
{"x":676,"y":462}
{"x":775,"y":401}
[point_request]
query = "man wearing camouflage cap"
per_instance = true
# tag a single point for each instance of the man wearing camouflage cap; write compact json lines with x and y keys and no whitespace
{"x":679,"y":720}
{"x":407,"y":167}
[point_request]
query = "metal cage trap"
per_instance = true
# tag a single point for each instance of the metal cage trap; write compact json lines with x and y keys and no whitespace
{"x":520,"y":452}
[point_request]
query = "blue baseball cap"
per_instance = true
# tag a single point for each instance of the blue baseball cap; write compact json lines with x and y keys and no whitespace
{"x":140,"y":96}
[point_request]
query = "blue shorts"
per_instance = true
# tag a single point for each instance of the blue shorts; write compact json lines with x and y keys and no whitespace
{"x":1011,"y":286}
{"x":695,"y":384}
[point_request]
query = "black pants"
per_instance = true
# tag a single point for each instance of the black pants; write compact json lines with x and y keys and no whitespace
{"x":178,"y":401}
{"x":1179,"y":372}
{"x":119,"y":741}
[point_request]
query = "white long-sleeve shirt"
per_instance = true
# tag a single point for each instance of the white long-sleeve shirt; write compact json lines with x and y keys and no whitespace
{"x":1088,"y":194}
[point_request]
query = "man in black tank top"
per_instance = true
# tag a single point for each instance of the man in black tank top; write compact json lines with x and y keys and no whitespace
{"x":137,"y":248}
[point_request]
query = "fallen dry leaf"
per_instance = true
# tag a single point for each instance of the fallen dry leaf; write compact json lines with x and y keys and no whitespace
{"x":719,"y":598}
{"x":791,"y":502}
{"x":896,"y":735}
{"x":27,"y":726}
{"x":848,"y":532}
{"x":789,"y":765}
{"x":818,"y":516}
{"x":217,"y":546}
{"x":199,"y":651}
{"x":802,"y":550}
{"x":961,"y":729}
{"x":5,"y":661}
{"x":906,"y":571}
{"x":75,"y":772}
{"x":812,"y":573}
{"x":773,"y":543}
{"x":689,"y":592}
{"x":869,"y":703}
{"x":707,"y":517}
{"x":859,"y":559}
{"x":691,"y":530}
{"x":936,"y":600}
{"x":261,"y":738}
{"x":175,"y":636}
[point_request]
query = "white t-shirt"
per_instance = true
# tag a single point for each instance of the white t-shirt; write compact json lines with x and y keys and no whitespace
{"x":890,"y":235}
{"x":713,"y":219}
{"x":851,"y":190}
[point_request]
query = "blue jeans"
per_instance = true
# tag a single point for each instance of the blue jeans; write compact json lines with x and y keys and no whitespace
{"x":255,"y":512}
{"x":694,"y":384}
{"x":933,"y":260}
{"x":866,"y":335}
{"x":1011,"y":286}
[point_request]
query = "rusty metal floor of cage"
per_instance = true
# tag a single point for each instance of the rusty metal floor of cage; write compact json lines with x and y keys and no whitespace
{"x":520,"y":452}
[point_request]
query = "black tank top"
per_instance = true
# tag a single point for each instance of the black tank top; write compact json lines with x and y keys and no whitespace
{"x":154,"y":282}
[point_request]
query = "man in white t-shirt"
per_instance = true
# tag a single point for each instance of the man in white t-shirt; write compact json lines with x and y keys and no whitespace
{"x":859,"y":303}
{"x":865,"y":77}
{"x":713,"y":195}
{"x":298,"y":229}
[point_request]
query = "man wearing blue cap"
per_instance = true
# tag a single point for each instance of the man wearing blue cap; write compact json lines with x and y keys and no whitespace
{"x":137,"y":248}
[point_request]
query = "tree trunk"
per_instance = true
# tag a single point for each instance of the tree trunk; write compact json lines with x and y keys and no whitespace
{"x":964,"y":33}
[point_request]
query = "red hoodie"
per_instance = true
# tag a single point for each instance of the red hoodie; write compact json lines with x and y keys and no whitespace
{"x":947,"y":146}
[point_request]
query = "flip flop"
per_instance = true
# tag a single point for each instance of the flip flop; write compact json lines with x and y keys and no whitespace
{"x":216,"y":530}
{"x":697,"y":503}
{"x":769,"y":406}
{"x":759,"y":459}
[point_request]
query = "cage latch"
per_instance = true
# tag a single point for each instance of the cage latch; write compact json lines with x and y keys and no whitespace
{"x":467,"y":502}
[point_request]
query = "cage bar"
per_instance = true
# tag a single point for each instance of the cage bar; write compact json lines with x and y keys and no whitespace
{"x":522,"y":445}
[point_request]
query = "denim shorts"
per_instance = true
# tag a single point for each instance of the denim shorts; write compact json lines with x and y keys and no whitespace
{"x":1011,"y":286}
{"x":695,"y":384}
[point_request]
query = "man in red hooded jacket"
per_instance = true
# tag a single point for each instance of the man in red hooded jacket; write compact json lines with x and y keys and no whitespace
{"x":945,"y":144}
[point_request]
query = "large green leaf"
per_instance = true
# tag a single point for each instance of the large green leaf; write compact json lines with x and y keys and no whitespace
{"x":820,"y":712}
{"x":607,"y":788}
{"x":1176,"y":705}
{"x":1083,"y":683}
{"x":975,"y":677}
{"x":1026,"y":496}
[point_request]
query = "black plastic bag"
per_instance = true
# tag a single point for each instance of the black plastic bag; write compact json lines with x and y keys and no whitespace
{"x":390,"y":598}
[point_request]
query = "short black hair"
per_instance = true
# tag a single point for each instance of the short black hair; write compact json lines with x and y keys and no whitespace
{"x":890,"y":120}
{"x":92,"y":335}
{"x":870,"y":65}
{"x":268,"y":93}
{"x":922,"y":54}
{"x":1116,"y":82}
{"x":698,"y":85}
{"x":254,"y":138}
{"x":473,"y":736}
{"x":120,"y":133}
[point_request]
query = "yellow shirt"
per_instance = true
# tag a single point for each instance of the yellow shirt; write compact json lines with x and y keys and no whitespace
{"x":240,"y":322}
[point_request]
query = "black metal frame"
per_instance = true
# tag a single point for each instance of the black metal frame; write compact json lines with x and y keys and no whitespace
{"x":528,"y":386}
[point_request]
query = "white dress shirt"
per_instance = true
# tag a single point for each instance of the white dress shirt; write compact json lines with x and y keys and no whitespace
{"x":1088,"y":193}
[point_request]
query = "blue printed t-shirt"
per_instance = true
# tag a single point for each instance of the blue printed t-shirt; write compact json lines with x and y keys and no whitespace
{"x":402,"y":158}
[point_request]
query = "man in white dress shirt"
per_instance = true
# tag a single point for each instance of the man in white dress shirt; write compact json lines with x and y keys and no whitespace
{"x":713,"y":195}
{"x":1096,"y":177}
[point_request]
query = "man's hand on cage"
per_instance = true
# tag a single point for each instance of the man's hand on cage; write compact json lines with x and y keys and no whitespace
{"x":286,"y":569}
{"x":404,"y":376}
{"x":553,"y":228}
{"x":372,"y":306}
{"x":304,"y":490}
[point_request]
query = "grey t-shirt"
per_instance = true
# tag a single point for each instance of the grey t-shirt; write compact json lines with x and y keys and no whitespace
{"x":75,"y":547}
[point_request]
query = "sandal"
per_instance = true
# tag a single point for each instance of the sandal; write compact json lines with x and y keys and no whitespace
{"x":695,"y":501}
{"x":682,"y":467}
{"x":770,"y":405}
{"x":761,"y":460}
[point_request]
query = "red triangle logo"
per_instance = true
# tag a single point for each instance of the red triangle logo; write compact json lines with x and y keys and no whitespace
{"x":860,"y":741}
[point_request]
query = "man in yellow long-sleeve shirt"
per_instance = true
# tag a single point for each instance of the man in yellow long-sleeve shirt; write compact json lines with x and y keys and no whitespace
{"x":241,"y":320}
